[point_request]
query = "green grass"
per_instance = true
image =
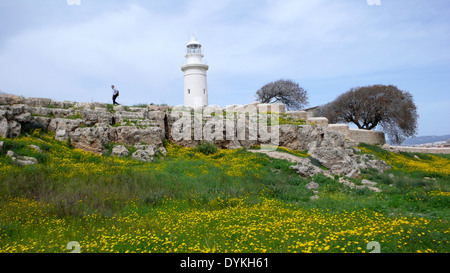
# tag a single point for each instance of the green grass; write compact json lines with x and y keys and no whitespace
{"x":287,"y":119}
{"x":76,"y":116}
{"x":208,"y":200}
{"x":110,"y":108}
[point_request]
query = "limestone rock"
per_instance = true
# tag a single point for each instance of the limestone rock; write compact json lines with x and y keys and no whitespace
{"x":5,"y":112}
{"x":162,"y":151}
{"x":14,"y":129}
{"x":314,"y":197}
{"x":4,"y":128}
{"x":36,"y":148}
{"x":25,"y":160}
{"x":302,"y":115}
{"x":38,"y":102}
{"x":131,"y":135}
{"x":61,"y":135}
{"x":305,"y":168}
{"x":367,"y":136}
{"x":321,"y":121}
{"x":142,"y":155}
{"x":23,"y":117}
{"x":312,"y":185}
{"x":90,"y":126}
{"x":368,"y":183}
{"x":21,"y":160}
{"x":64,"y":124}
{"x":337,"y":160}
{"x":368,"y":161}
{"x":91,"y":139}
{"x":91,"y":117}
{"x":334,"y":153}
{"x":365,"y":184}
{"x":120,"y":151}
{"x":7,"y":99}
{"x":330,"y":148}
{"x":149,"y":149}
{"x":40,"y":122}
{"x":18,"y":109}
{"x":11,"y":154}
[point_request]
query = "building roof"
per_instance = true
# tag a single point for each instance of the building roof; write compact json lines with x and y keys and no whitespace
{"x":311,"y":108}
{"x":193,"y":41}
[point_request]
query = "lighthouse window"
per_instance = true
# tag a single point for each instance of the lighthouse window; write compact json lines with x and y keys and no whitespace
{"x":189,"y":91}
{"x":204,"y":91}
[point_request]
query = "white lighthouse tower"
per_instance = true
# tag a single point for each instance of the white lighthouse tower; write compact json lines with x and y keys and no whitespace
{"x":195,"y":88}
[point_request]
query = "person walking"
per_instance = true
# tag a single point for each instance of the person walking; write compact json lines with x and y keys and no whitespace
{"x":115,"y":95}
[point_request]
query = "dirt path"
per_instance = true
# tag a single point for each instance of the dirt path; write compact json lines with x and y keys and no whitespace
{"x":279,"y":155}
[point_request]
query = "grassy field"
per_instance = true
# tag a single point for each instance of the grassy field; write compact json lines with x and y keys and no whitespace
{"x":226,"y":201}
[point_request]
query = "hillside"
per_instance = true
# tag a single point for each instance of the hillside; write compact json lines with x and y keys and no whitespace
{"x":424,"y":140}
{"x":206,"y":199}
{"x":141,"y":130}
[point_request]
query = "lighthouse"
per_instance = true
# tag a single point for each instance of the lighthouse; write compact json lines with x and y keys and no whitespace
{"x":195,"y":88}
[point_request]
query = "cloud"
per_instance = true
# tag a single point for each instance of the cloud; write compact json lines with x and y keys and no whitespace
{"x":316,"y":39}
{"x":126,"y":46}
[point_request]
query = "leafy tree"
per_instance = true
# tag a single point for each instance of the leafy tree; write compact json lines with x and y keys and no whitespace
{"x":376,"y":105}
{"x":284,"y":91}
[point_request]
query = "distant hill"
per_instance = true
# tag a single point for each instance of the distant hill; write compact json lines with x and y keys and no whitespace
{"x":424,"y":139}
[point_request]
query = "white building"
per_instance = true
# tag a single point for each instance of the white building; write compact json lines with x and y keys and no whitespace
{"x":195,"y":88}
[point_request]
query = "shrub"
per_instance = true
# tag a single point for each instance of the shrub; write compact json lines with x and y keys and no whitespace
{"x":207,"y":148}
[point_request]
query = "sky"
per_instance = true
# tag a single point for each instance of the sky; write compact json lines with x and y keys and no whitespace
{"x":75,"y":50}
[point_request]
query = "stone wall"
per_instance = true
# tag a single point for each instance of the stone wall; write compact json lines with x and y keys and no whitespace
{"x":91,"y":126}
{"x":95,"y":126}
{"x":366,"y":136}
{"x":422,"y":150}
{"x":357,"y":135}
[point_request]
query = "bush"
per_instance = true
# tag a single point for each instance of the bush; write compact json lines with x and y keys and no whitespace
{"x":207,"y":148}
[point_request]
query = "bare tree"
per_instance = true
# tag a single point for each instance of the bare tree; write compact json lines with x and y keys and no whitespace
{"x":377,"y":105}
{"x":284,"y":91}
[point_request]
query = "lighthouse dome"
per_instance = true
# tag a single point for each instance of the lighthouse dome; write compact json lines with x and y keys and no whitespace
{"x":194,"y":41}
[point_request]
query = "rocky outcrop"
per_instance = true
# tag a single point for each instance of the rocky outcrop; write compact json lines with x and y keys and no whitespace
{"x":91,"y":139}
{"x":11,"y":118}
{"x":330,"y":148}
{"x":369,"y":161}
{"x":143,"y":155}
{"x":21,"y":160}
{"x":305,"y":168}
{"x":93,"y":126}
{"x":120,"y":151}
{"x":88,"y":126}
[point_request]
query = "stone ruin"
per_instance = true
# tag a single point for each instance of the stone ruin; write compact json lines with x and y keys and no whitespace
{"x":93,"y":126}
